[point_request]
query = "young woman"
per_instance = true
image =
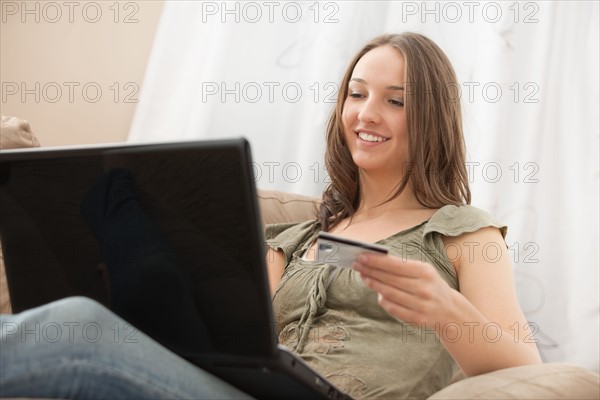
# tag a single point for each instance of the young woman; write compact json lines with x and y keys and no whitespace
{"x":445,"y":293}
{"x":394,"y":326}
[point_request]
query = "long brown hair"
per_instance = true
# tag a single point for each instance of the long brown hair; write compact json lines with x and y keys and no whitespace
{"x":436,"y":169}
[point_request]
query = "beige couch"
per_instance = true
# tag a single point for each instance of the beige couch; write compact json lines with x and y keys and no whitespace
{"x":546,"y":381}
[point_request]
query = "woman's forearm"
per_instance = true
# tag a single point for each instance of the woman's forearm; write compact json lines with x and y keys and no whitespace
{"x":479,"y":345}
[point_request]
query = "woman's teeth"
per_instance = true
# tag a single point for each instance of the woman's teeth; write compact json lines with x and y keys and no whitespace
{"x":370,"y":138}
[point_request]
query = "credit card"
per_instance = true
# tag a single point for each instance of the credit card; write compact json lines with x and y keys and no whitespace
{"x":341,"y":252}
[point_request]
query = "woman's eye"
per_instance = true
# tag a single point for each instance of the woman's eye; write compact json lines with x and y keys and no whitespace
{"x":356,"y":95}
{"x":397,"y":102}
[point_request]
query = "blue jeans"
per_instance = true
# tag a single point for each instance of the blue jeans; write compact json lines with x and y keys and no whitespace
{"x":76,"y":348}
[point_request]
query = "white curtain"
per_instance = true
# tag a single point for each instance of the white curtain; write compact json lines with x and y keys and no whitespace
{"x":528,"y":73}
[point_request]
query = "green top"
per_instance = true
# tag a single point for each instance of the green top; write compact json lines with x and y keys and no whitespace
{"x":332,"y":320}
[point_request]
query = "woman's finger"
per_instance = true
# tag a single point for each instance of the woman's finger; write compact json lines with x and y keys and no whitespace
{"x":390,"y":263}
{"x":393,"y":294}
{"x":407,"y":284}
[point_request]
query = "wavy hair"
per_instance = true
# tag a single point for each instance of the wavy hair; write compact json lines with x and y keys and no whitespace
{"x":436,"y":150}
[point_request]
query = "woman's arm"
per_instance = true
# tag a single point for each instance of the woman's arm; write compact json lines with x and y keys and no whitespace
{"x":488,"y":297}
{"x":482,"y":326}
{"x":275,"y":266}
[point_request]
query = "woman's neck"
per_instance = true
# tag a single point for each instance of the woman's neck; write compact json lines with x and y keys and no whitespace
{"x":375,"y":191}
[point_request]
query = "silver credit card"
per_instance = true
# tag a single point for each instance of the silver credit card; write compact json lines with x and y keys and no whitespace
{"x":341,"y":252}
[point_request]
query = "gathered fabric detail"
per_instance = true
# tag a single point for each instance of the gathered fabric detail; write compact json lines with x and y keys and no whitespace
{"x":317,"y":297}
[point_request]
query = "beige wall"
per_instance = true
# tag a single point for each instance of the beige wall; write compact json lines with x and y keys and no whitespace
{"x":74,"y":70}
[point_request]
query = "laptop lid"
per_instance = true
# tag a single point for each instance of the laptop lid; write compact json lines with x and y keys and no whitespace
{"x":195,"y":202}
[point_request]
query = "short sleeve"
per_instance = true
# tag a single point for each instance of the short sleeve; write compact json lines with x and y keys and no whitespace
{"x":455,"y":220}
{"x":288,"y":237}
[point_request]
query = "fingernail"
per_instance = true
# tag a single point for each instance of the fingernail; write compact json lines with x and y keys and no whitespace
{"x":361,"y":258}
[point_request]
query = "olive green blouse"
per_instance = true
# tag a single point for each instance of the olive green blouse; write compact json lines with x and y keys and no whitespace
{"x":332,"y":320}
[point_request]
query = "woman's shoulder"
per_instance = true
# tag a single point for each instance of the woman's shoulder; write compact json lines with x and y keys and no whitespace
{"x":288,"y":237}
{"x":452,"y":220}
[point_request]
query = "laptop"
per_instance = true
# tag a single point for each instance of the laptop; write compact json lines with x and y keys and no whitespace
{"x":170,"y":227}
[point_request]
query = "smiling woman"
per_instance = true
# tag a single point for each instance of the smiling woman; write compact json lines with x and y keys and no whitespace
{"x":396,"y":157}
{"x":392,"y":90}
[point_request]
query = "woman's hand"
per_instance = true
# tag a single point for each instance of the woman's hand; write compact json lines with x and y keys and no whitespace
{"x":412,"y":291}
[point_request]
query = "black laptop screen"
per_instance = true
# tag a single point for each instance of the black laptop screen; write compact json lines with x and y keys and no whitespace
{"x":167,"y":236}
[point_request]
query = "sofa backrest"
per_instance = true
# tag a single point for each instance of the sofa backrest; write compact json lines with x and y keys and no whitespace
{"x":280,"y":207}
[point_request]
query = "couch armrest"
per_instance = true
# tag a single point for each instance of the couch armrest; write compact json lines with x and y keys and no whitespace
{"x":16,"y":133}
{"x":541,"y":381}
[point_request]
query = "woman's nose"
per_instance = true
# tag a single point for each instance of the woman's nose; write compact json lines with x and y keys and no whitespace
{"x":369,"y":112}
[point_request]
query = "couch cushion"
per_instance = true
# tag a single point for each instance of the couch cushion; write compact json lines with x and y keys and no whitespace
{"x":542,"y":381}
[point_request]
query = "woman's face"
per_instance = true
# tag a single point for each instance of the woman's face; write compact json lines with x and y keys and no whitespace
{"x":373,"y":116}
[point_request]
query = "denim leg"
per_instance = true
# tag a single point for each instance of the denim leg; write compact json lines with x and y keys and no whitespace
{"x":76,"y":348}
